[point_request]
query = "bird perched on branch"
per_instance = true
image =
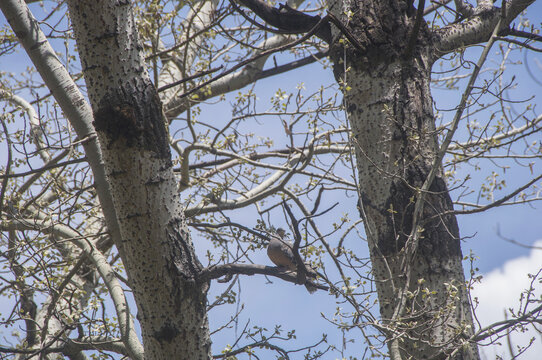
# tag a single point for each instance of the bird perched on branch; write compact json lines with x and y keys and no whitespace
{"x":280,"y":251}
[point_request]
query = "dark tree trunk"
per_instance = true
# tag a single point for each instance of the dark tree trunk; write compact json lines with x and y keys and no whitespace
{"x":386,"y":82}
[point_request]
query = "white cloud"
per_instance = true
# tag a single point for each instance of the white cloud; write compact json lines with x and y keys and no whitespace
{"x":501,"y":289}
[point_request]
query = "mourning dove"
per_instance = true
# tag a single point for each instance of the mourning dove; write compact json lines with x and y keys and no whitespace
{"x":280,"y":252}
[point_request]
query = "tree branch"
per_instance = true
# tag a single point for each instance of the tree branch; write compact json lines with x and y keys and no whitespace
{"x":288,"y":19}
{"x":198,"y":20}
{"x":520,"y":43}
{"x":496,"y":203}
{"x":248,"y":75}
{"x":498,"y":138}
{"x":52,"y":164}
{"x":477,"y":28}
{"x":256,"y":57}
{"x":300,"y":264}
{"x":188,"y":78}
{"x":103,"y":267}
{"x":415,"y":30}
{"x":36,"y":130}
{"x":464,"y":8}
{"x":522,"y":34}
{"x":67,"y":94}
{"x":95,"y":343}
{"x":217,"y":271}
{"x":435,"y":5}
{"x":230,"y":81}
{"x":265,"y":188}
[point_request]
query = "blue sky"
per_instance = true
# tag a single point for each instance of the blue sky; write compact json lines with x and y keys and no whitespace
{"x":503,"y":264}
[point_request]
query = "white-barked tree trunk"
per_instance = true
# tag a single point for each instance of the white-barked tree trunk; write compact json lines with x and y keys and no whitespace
{"x":158,"y":255}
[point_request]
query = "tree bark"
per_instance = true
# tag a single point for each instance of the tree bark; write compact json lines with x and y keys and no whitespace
{"x":162,"y":268}
{"x":386,"y":83}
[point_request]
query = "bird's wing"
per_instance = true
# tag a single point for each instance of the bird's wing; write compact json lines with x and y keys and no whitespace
{"x":280,"y":253}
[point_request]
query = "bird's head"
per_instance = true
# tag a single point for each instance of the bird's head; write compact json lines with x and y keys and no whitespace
{"x":281,"y":232}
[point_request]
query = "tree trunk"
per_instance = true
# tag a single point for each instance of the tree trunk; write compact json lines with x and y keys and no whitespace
{"x":386,"y":84}
{"x":157,"y":251}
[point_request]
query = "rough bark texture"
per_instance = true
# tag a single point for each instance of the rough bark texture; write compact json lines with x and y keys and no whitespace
{"x":389,"y":106}
{"x":158,"y":255}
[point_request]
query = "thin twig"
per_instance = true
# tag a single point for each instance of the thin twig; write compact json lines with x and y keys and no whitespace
{"x":257,"y":56}
{"x":415,"y":30}
{"x":188,"y":78}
